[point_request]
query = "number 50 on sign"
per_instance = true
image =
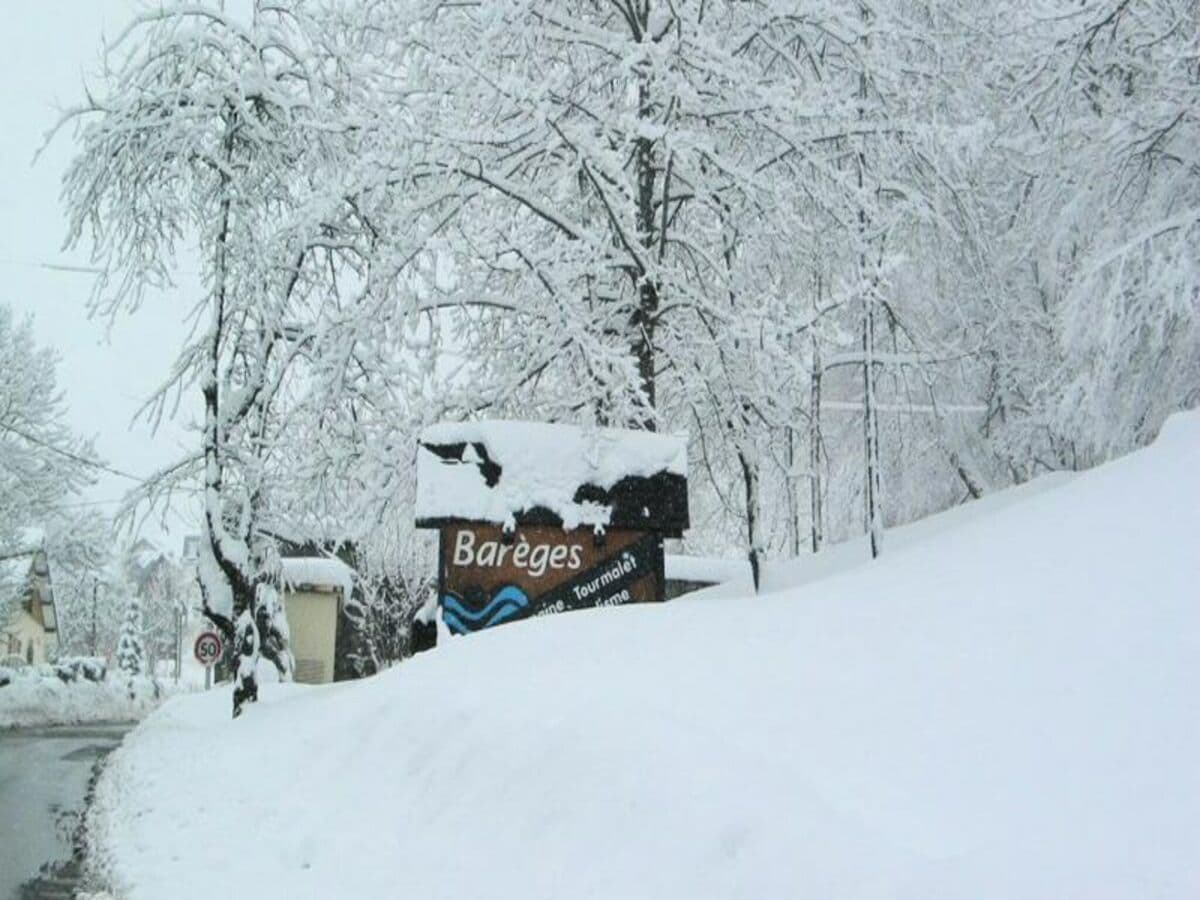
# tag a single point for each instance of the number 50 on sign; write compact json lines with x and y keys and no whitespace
{"x":208,"y":648}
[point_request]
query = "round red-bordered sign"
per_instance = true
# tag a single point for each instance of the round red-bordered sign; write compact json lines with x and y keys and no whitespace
{"x":208,"y":648}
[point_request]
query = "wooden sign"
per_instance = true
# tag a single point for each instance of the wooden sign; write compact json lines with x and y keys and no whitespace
{"x":487,"y":578}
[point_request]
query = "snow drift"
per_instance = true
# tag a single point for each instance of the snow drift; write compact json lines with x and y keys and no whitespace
{"x":31,"y":699}
{"x":1004,"y":709}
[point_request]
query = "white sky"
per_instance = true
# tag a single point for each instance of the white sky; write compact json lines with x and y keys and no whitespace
{"x":47,"y":49}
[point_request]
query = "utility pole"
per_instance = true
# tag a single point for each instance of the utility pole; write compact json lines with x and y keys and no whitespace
{"x":95,"y":588}
{"x":178,"y":640}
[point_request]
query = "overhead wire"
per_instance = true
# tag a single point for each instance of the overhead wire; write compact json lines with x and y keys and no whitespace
{"x":53,"y":267}
{"x":68,"y":454}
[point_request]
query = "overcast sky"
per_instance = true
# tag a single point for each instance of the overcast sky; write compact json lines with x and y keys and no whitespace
{"x":47,"y":50}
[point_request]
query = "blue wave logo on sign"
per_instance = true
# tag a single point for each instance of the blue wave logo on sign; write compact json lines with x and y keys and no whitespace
{"x":509,"y":602}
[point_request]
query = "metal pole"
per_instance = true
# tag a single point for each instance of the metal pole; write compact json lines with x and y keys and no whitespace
{"x":178,"y":642}
{"x":95,"y":587}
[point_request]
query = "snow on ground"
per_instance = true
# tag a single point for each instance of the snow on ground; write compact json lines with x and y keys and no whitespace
{"x":34,"y":700}
{"x":1005,"y":709}
{"x":714,"y":570}
{"x":735,"y":579}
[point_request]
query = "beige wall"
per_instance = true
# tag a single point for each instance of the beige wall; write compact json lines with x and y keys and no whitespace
{"x":21,"y":632}
{"x":312,"y":621}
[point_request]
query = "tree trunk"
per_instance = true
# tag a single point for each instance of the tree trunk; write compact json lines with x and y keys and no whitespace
{"x":750,"y":482}
{"x":245,"y":661}
{"x":793,"y":502}
{"x":646,"y":312}
{"x":866,"y":287}
{"x":874,"y":513}
{"x":816,"y":513}
{"x":246,"y":642}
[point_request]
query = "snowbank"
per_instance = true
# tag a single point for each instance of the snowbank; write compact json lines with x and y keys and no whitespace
{"x":1006,"y":709}
{"x":708,"y":569}
{"x":36,"y":700}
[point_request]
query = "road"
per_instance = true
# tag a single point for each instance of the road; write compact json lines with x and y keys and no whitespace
{"x":43,"y":778}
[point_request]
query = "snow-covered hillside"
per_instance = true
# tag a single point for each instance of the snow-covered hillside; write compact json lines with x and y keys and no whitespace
{"x":1007,"y":708}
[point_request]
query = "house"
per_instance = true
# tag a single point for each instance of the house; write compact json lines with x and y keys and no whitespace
{"x":31,"y":632}
{"x":191,"y":550}
{"x":145,"y":564}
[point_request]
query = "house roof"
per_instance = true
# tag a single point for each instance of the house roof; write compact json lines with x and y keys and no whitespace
{"x":27,"y":576}
{"x":525,"y":473}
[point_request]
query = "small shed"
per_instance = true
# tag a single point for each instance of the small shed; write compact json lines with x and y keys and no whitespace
{"x":315,"y":591}
{"x":536,"y":518}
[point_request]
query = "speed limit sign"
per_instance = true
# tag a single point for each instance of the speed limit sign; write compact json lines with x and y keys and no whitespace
{"x":208,"y":648}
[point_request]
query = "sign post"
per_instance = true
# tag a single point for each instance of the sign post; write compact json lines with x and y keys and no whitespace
{"x":207,"y":650}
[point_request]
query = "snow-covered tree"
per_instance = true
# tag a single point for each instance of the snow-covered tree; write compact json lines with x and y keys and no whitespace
{"x":633,"y":196}
{"x":875,"y":259}
{"x":131,"y":650}
{"x":166,"y":589}
{"x":210,"y":135}
{"x":1100,"y":336}
{"x":88,"y":610}
{"x":41,"y":461}
{"x":43,"y":464}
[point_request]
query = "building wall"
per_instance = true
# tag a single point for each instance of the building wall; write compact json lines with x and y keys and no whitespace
{"x":312,"y":621}
{"x":24,"y":632}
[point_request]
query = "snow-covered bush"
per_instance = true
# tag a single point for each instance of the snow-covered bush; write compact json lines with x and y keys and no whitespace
{"x":32,"y":699}
{"x":75,"y":668}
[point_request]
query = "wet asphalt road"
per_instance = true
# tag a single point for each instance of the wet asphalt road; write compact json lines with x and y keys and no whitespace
{"x":43,"y":778}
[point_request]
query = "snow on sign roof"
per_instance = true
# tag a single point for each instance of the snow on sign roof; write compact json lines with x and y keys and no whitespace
{"x":510,"y":473}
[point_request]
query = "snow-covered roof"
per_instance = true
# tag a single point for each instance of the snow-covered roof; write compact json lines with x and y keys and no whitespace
{"x":317,"y":571}
{"x":26,"y":577}
{"x":32,"y":537}
{"x":507,"y":472}
{"x":14,"y":576}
